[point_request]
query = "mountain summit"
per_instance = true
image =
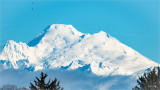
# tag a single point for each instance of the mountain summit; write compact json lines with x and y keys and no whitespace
{"x":62,"y":46}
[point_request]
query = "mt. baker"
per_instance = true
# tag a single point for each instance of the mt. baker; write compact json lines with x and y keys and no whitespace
{"x":62,"y":46}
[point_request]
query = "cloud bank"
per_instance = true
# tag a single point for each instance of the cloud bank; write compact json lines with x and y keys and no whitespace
{"x":70,"y":80}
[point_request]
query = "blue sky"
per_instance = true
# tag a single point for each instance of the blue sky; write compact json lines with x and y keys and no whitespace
{"x":134,"y":23}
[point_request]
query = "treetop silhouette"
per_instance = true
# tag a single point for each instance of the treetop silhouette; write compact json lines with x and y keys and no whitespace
{"x":41,"y":85}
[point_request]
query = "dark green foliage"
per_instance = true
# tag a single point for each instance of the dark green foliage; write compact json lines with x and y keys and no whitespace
{"x":41,"y":85}
{"x":149,"y":81}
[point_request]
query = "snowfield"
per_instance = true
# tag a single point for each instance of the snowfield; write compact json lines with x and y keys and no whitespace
{"x":61,"y":46}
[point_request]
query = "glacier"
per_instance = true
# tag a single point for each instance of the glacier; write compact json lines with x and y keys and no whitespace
{"x":62,"y":47}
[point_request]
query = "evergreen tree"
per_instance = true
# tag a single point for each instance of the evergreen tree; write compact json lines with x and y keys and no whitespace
{"x":41,"y":85}
{"x":149,"y":81}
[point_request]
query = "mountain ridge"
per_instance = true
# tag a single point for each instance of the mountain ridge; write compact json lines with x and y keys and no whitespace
{"x":62,"y":45}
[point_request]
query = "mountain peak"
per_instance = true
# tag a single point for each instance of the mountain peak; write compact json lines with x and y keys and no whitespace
{"x":62,"y":28}
{"x":103,"y":34}
{"x":55,"y":30}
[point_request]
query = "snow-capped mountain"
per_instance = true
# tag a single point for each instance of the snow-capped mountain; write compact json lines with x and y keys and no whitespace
{"x":62,"y":46}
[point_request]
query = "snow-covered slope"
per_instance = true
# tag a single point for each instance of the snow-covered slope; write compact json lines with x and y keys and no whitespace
{"x":62,"y":46}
